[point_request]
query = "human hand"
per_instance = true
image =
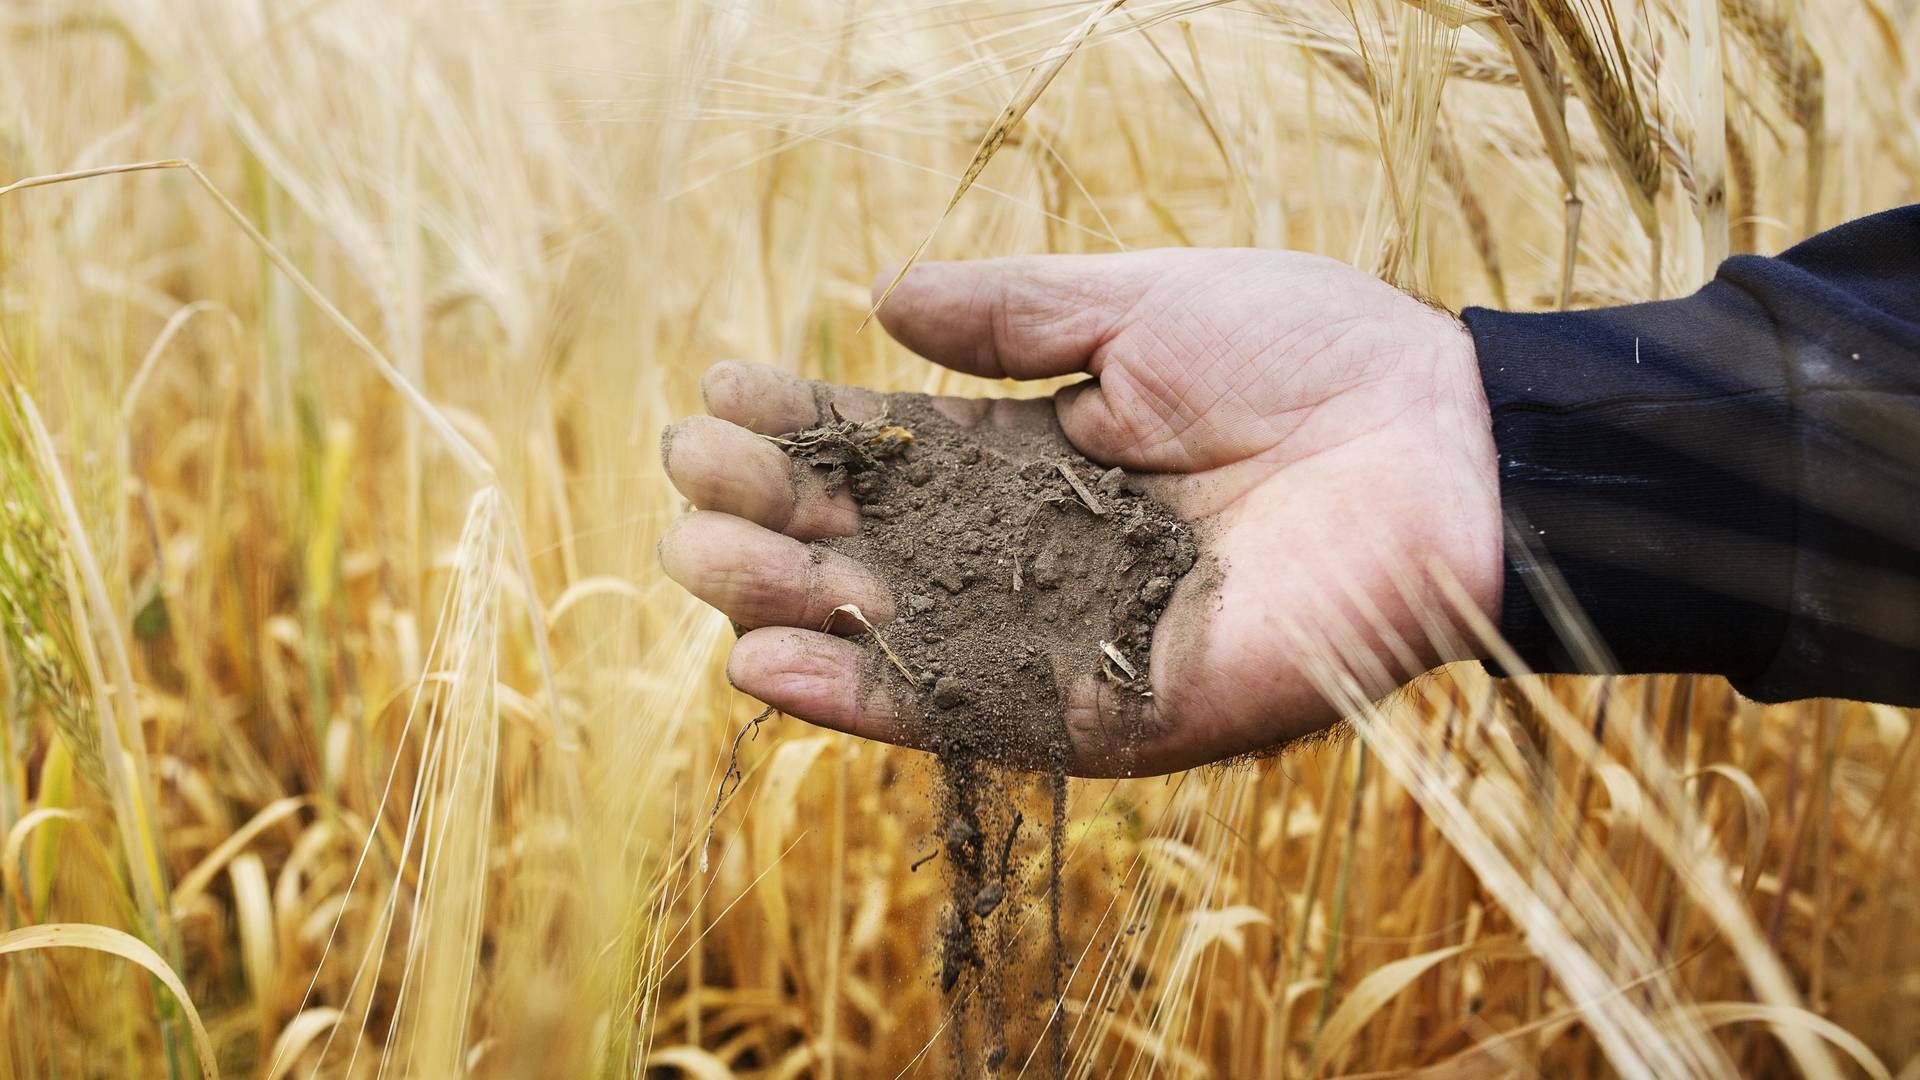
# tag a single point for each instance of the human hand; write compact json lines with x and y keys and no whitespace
{"x":1326,"y":433}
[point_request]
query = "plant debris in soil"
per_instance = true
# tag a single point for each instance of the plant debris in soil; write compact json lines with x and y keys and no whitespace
{"x":1019,"y":569}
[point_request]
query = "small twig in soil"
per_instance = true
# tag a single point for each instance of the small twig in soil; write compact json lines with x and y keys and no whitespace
{"x":854,"y":610}
{"x":1119,"y":660}
{"x":733,"y":773}
{"x":1006,"y":849}
{"x":923,"y":860}
{"x":1082,"y":490}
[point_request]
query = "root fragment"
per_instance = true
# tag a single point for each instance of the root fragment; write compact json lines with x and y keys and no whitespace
{"x":1006,"y":849}
{"x":734,"y":775}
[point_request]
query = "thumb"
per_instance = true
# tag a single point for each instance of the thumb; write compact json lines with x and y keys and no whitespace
{"x":1028,"y":317}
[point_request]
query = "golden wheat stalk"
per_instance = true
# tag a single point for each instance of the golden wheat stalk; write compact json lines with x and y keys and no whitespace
{"x":1606,"y":87}
{"x":1453,"y":173}
{"x":1706,"y":82}
{"x":1605,"y":83}
{"x":1798,"y":75}
{"x":1528,"y":45}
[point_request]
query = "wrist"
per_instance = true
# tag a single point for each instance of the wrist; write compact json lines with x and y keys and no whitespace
{"x":1478,"y":564}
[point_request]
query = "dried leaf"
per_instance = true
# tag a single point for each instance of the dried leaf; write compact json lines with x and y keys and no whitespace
{"x":114,"y":942}
{"x":1759,"y":818}
{"x":1381,"y":985}
{"x":853,"y":612}
{"x":253,"y":913}
{"x":196,"y":880}
{"x":692,"y":1061}
{"x":1715,"y":1014}
{"x":297,"y":1036}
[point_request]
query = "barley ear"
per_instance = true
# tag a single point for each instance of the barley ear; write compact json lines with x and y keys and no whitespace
{"x":1742,"y":191}
{"x":1798,"y":76}
{"x":1605,"y":82}
{"x":1526,"y":40}
{"x":1029,"y":92}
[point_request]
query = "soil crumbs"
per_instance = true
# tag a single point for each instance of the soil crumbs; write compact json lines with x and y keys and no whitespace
{"x":1019,"y":570}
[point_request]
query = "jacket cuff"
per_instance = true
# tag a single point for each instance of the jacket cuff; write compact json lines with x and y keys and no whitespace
{"x":1647,"y":474}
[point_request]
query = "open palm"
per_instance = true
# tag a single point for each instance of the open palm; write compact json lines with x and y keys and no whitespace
{"x":1326,"y":433}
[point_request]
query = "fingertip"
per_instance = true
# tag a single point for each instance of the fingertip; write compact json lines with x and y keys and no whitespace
{"x":1022,"y":317}
{"x":935,"y":309}
{"x":902,"y":295}
{"x":1109,"y":423}
{"x":717,"y":380}
{"x":669,"y":435}
{"x":782,"y":665}
{"x":758,"y":398}
{"x":819,"y":678}
{"x":673,"y":548}
{"x":721,"y":466}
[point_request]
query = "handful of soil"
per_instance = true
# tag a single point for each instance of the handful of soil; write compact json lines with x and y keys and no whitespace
{"x":1018,"y":568}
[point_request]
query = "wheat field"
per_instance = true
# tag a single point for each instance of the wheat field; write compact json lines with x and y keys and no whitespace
{"x":350,"y":728}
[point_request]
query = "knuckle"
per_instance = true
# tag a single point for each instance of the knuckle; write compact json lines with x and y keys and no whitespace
{"x":816,"y":514}
{"x":755,"y":595}
{"x":780,"y":504}
{"x":809,"y":592}
{"x":992,"y":305}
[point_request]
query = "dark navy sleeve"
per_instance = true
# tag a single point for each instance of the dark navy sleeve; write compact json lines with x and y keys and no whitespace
{"x":1726,"y":483}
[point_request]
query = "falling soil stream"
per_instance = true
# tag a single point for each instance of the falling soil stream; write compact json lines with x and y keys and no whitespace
{"x":1024,"y":577}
